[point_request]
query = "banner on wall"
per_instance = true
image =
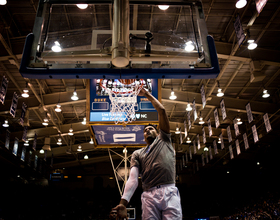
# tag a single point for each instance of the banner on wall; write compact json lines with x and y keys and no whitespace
{"x":215,"y":147}
{"x":203,"y":99}
{"x":245,"y":139}
{"x":210,"y":153}
{"x":230,"y":152}
{"x":185,"y":127}
{"x":223,"y":109}
{"x":239,"y":31}
{"x":24,"y":135}
{"x":34,"y":142}
{"x":229,"y":134}
{"x":194,"y":147}
{"x":7,"y":141}
{"x":249,"y":112}
{"x":206,"y":157}
{"x":14,"y":104}
{"x":15,"y":149}
{"x":3,"y":89}
{"x":237,"y":147}
{"x":267,"y":123}
{"x":255,"y":134}
{"x":189,"y":120}
{"x":23,"y":111}
{"x":222,"y":141}
{"x":194,"y":111}
{"x":23,"y":152}
{"x":209,"y":127}
{"x":216,"y":117}
{"x":260,"y":5}
{"x":203,"y":135}
{"x":198,"y":141}
{"x":236,"y":128}
{"x":202,"y":160}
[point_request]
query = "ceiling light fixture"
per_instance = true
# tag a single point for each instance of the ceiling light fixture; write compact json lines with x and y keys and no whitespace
{"x":70,"y":131}
{"x":172,"y":95}
{"x":239,"y":121}
{"x":188,"y":140}
{"x":201,"y":122}
{"x":56,"y":47}
{"x":163,"y":7}
{"x":265,"y":94}
{"x":91,"y":141}
{"x":6,"y":124}
{"x":59,"y":141}
{"x":3,"y":2}
{"x":82,"y":6}
{"x":177,"y":130}
{"x":206,"y":149}
{"x":240,"y":3}
{"x":41,"y":151}
{"x":189,"y":46}
{"x":79,"y":148}
{"x":84,"y":122}
{"x":86,"y":157}
{"x":75,"y":97}
{"x":46,"y":121}
{"x":58,"y":108}
{"x":26,"y":143}
{"x":220,"y":93}
{"x":25,"y":93}
{"x":251,"y":45}
{"x":189,"y":108}
{"x":219,"y":141}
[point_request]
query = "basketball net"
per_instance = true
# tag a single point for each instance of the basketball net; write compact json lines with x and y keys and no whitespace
{"x":123,"y":97}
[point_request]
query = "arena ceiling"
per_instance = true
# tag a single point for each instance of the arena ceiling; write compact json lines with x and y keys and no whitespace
{"x":243,"y":76}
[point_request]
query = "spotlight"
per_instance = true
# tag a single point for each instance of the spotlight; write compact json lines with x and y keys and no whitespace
{"x":56,"y":47}
{"x":240,"y":3}
{"x":25,"y":93}
{"x":265,"y":94}
{"x":201,"y":122}
{"x":219,"y":141}
{"x":172,"y":95}
{"x":177,"y":130}
{"x":70,"y":131}
{"x":75,"y":97}
{"x":91,"y":141}
{"x":3,"y":2}
{"x":86,"y":157}
{"x":41,"y":151}
{"x":163,"y":7}
{"x":189,"y":108}
{"x":239,"y":122}
{"x":206,"y":149}
{"x":84,"y":122}
{"x":79,"y":148}
{"x":6,"y":124}
{"x":58,"y":108}
{"x":252,"y":45}
{"x":26,"y":143}
{"x":189,"y":46}
{"x":220,"y":93}
{"x":59,"y":141}
{"x":188,"y":140}
{"x":82,"y":6}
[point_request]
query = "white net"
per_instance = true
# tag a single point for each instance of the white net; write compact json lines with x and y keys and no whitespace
{"x":124,"y":100}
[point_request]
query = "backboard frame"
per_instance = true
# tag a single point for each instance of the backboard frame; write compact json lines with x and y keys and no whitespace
{"x":32,"y":65}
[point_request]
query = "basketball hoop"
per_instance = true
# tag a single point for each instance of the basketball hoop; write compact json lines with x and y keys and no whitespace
{"x":123,"y":96}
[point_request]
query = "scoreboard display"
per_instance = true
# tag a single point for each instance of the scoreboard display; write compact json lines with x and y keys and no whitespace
{"x":100,"y":103}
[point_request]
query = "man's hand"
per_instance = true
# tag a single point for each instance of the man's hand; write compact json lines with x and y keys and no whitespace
{"x":142,"y":92}
{"x":122,"y":213}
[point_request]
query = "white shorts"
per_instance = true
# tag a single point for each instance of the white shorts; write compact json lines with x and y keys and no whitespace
{"x":161,"y":202}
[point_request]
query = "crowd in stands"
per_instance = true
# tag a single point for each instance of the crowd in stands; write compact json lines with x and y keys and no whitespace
{"x":267,"y":207}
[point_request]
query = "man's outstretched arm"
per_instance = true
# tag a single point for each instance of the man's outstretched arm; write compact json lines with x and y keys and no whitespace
{"x":129,"y":189}
{"x":163,"y":119}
